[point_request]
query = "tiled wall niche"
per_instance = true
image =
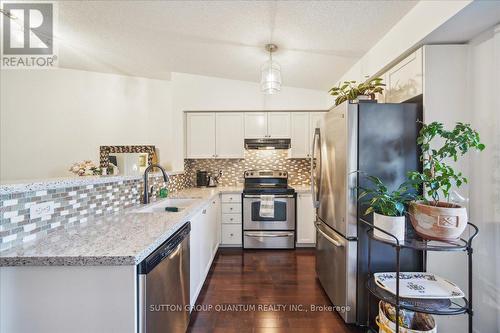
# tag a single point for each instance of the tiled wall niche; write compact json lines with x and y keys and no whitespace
{"x":73,"y":205}
{"x":299,"y":169}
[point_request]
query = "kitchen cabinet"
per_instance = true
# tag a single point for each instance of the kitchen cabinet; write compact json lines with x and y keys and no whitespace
{"x":260,"y":125}
{"x":300,"y":135}
{"x":306,"y":231}
{"x":214,"y":218}
{"x":231,"y":235}
{"x":303,"y":125}
{"x":229,"y":135}
{"x":255,"y":125}
{"x":204,"y":241}
{"x":231,"y":221}
{"x":405,"y":80}
{"x":278,"y":125}
{"x":214,"y":135}
{"x":195,"y":239}
{"x":200,"y":139}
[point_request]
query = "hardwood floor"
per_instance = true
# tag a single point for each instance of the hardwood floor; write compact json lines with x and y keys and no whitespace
{"x":242,"y":287}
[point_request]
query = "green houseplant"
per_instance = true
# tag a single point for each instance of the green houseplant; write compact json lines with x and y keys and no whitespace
{"x":349,"y":90}
{"x":433,"y":217}
{"x":388,"y":207}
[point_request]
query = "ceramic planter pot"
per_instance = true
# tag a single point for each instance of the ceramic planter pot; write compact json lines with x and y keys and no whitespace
{"x":445,"y":221}
{"x":392,"y":224}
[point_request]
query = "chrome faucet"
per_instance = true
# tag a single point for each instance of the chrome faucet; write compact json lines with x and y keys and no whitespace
{"x":145,"y":199}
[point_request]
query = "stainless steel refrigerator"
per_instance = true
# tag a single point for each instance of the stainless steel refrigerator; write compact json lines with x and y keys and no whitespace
{"x":379,"y":139}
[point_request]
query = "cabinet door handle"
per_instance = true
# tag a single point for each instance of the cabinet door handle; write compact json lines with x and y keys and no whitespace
{"x":231,"y":234}
{"x":204,"y":211}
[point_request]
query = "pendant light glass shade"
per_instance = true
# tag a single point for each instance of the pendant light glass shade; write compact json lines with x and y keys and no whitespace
{"x":270,"y":82}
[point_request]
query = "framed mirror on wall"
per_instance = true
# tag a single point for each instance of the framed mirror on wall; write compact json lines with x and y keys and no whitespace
{"x":127,"y":160}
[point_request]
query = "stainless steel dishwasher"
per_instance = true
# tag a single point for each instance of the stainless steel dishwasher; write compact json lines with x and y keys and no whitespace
{"x":163,"y":279}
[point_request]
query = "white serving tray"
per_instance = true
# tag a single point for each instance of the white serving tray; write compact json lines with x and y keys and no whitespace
{"x":418,"y":285}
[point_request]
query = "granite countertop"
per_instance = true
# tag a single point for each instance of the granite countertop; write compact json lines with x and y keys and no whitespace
{"x":19,"y":186}
{"x":125,"y":238}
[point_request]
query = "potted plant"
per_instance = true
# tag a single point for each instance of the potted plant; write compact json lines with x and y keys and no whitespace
{"x":350,"y":91}
{"x":388,"y":207}
{"x":433,"y":218}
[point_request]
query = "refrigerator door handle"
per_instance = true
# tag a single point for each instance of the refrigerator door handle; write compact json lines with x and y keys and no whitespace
{"x":328,"y":238}
{"x":315,"y":198}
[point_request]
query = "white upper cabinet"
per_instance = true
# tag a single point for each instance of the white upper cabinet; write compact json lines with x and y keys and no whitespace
{"x":222,"y":134}
{"x":200,"y":135}
{"x":260,"y":125}
{"x":405,"y":80}
{"x":229,"y":134}
{"x":278,"y":125}
{"x":255,"y":125}
{"x":300,"y":135}
{"x":302,"y":129}
{"x":315,"y":121}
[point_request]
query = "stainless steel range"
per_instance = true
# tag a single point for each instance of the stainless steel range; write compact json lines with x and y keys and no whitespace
{"x":274,"y":229}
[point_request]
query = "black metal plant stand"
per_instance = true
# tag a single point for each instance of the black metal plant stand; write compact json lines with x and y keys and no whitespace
{"x":443,"y":307}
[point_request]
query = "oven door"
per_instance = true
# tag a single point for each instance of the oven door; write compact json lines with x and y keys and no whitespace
{"x":284,"y":213}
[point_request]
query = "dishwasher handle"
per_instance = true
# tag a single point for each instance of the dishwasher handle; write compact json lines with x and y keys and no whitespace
{"x":164,"y":250}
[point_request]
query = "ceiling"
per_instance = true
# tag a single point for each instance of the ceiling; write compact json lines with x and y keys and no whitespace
{"x":318,"y":40}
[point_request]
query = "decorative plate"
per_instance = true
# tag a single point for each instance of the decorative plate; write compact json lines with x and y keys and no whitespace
{"x":418,"y":285}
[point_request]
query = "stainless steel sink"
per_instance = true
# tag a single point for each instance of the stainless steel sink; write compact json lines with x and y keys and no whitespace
{"x":159,"y":207}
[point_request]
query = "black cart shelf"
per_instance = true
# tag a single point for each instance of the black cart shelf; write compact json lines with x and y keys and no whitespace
{"x":442,"y":307}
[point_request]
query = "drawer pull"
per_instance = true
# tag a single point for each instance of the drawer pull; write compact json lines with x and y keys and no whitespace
{"x":269,"y":235}
{"x":231,"y":219}
{"x":231,"y":234}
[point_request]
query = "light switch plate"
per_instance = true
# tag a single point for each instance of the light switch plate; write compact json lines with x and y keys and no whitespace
{"x":41,"y":209}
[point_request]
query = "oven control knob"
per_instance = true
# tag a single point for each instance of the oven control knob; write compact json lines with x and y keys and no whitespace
{"x":246,"y":173}
{"x":251,"y":173}
{"x":284,"y":173}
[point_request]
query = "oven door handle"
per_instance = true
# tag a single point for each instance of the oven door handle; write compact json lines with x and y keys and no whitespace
{"x":276,"y":196}
{"x":263,"y":234}
{"x":328,"y":238}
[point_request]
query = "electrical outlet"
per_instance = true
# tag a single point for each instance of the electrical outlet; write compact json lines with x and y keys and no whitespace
{"x":41,"y":209}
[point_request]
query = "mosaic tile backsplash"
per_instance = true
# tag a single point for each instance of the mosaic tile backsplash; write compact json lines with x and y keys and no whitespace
{"x":72,"y":205}
{"x":298,"y":168}
{"x":77,"y":204}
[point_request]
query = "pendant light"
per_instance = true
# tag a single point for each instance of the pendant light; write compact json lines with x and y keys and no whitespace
{"x":270,"y":82}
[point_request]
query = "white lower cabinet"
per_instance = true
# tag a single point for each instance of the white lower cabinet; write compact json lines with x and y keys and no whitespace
{"x":231,"y":219}
{"x":195,"y":257}
{"x":204,"y":241}
{"x":306,"y":231}
{"x":231,"y":234}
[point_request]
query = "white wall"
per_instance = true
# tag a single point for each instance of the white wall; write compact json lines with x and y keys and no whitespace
{"x":477,"y":102}
{"x":202,"y":93}
{"x":52,"y":118}
{"x":406,"y":35}
{"x":484,"y":202}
